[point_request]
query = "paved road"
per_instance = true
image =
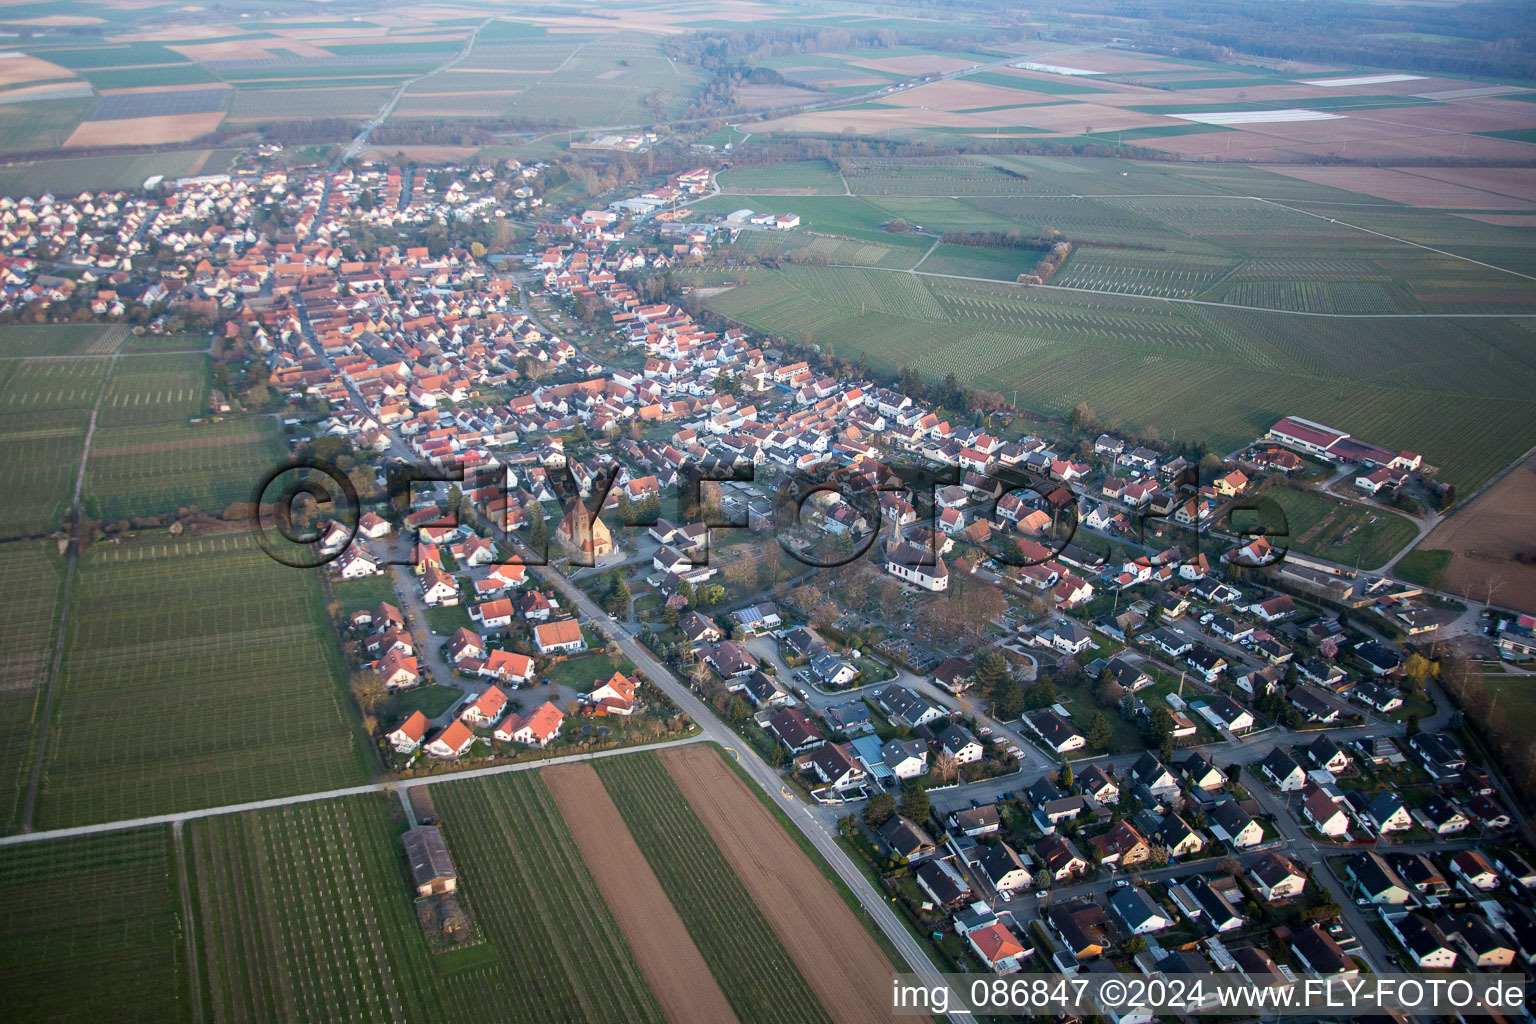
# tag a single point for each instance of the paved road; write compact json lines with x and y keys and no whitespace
{"x":330,"y":794}
{"x":767,"y":778}
{"x":356,"y":145}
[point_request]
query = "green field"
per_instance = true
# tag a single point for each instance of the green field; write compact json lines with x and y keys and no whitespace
{"x":815,"y":177}
{"x":91,"y":930}
{"x":1423,"y":566}
{"x":754,"y":970}
{"x":45,"y":407}
{"x":199,"y":673}
{"x":66,"y":175}
{"x":305,"y":914}
{"x":33,"y":583}
{"x":149,"y":470}
{"x":1254,"y":248}
{"x":1341,"y":532}
{"x":535,"y":902}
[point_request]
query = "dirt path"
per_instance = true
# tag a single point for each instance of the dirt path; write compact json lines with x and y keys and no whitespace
{"x":847,"y":971}
{"x":40,"y":751}
{"x":188,"y":927}
{"x":677,"y":974}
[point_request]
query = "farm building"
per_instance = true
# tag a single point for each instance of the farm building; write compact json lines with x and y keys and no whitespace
{"x":431,"y":867}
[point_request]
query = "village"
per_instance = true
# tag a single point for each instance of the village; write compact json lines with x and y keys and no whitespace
{"x":1068,"y":708}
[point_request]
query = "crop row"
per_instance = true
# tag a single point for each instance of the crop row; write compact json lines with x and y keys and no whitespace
{"x":754,"y":970}
{"x":531,"y":894}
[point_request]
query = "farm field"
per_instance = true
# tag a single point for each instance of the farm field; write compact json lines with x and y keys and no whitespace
{"x":304,"y":914}
{"x":534,"y":901}
{"x":91,"y":929}
{"x":1105,"y":332}
{"x":807,"y":177}
{"x":677,"y":974}
{"x":33,"y":583}
{"x":155,"y":389}
{"x":849,"y":973}
{"x":45,"y":407}
{"x":31,"y":340}
{"x":169,"y":639}
{"x":748,"y":958}
{"x":1480,"y":541}
{"x":1339,"y":531}
{"x":148,"y":470}
{"x":73,"y":174}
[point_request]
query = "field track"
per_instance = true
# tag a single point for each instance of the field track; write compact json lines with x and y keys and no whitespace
{"x":846,"y":970}
{"x":671,"y":963}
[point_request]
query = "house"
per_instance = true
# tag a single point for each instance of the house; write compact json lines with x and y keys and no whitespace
{"x":1095,"y":782}
{"x":791,"y":728}
{"x":397,"y":671}
{"x":835,"y":766}
{"x":1235,"y":826}
{"x":907,"y":759}
{"x":1439,"y":816}
{"x":1375,"y":880}
{"x":1441,"y":754}
{"x":905,"y":838}
{"x":1425,"y":942}
{"x":853,"y":718}
{"x":1179,"y":837}
{"x":1082,"y":927}
{"x":1325,"y":813}
{"x":1473,"y":868}
{"x":1127,"y":675}
{"x":1139,"y":912}
{"x":431,"y":867}
{"x":1055,"y":732}
{"x":1282,"y":772}
{"x":438,"y":589}
{"x":1225,"y":713}
{"x":976,"y":821}
{"x":1389,"y":813}
{"x":1483,"y":945}
{"x":729,"y":659}
{"x":759,"y":618}
{"x":508,"y":667}
{"x":616,"y":696}
{"x":1004,"y":868}
{"x":958,"y":743}
{"x":1421,"y":873}
{"x":699,"y":630}
{"x":1121,"y":845}
{"x":465,"y":645}
{"x":407,"y":736}
{"x":954,"y":674}
{"x":1317,"y":952}
{"x":905,"y":708}
{"x":485,"y":708}
{"x":495,"y":614}
{"x":998,"y":948}
{"x":943,"y":884}
{"x":1060,"y":858}
{"x":1202,"y":774}
{"x":452,"y":742}
{"x":1148,"y":771}
{"x":1277,"y":877}
{"x":1325,"y":753}
{"x":558,"y":637}
{"x":539,"y":729}
{"x":832,"y":670}
{"x":1215,"y":907}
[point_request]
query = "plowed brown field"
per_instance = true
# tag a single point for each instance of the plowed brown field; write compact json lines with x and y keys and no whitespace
{"x":677,"y":974}
{"x":846,"y":969}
